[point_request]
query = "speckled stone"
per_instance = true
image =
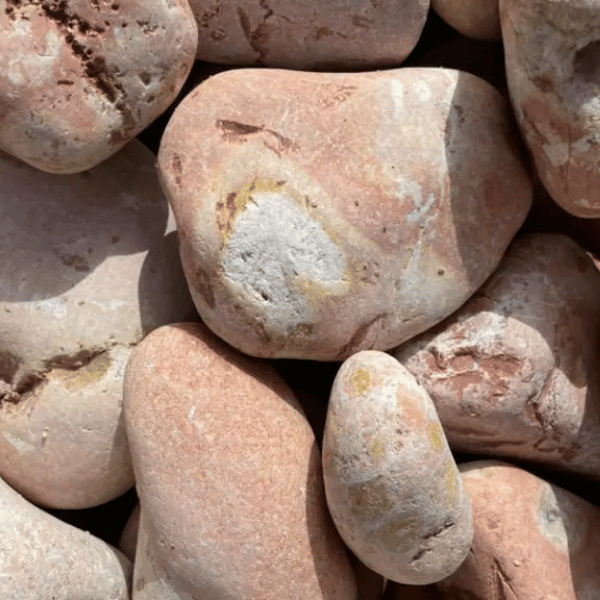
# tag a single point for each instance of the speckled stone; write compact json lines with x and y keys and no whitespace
{"x":339,"y":212}
{"x":86,"y":270}
{"x":42,"y":557}
{"x":228,"y":473}
{"x":79,"y":79}
{"x":531,"y":540}
{"x":329,"y":35}
{"x":391,"y":483}
{"x":514,"y":372}
{"x":552,"y":69}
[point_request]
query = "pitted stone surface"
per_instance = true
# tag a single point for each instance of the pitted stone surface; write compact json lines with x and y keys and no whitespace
{"x":79,"y":78}
{"x":343,"y":212}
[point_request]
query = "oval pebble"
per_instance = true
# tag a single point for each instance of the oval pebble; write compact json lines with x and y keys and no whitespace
{"x":392,"y":486}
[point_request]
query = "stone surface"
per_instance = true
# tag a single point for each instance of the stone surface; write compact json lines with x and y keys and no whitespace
{"x":42,"y":557}
{"x":552,"y":70}
{"x":79,"y":79}
{"x":479,"y":19}
{"x":342,"y":212}
{"x":228,"y":473}
{"x":531,"y":539}
{"x":129,"y":536}
{"x":514,"y":372}
{"x":330,"y":35}
{"x":86,"y":270}
{"x":391,"y":483}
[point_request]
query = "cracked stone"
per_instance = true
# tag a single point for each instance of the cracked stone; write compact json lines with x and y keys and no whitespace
{"x":514,"y":372}
{"x":79,"y":80}
{"x":65,"y":334}
{"x":325,"y":36}
{"x":342,"y":212}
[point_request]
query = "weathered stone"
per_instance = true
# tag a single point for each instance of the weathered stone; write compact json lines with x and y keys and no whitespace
{"x":228,"y":473}
{"x":514,"y":372}
{"x":42,"y":557}
{"x":392,"y":486}
{"x":531,"y":539}
{"x":85,"y":272}
{"x":328,"y":35}
{"x":479,"y":19}
{"x":341,"y":212}
{"x":79,"y":79}
{"x":552,"y":69}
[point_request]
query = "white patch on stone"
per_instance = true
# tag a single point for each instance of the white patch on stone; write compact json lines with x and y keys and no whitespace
{"x":583,"y":202}
{"x":273,"y":243}
{"x":397,"y":92}
{"x":409,"y":187}
{"x":18,"y":444}
{"x":54,"y":307}
{"x":422,"y":91}
{"x":581,"y":146}
{"x":20,"y":28}
{"x":559,"y":520}
{"x":558,"y":153}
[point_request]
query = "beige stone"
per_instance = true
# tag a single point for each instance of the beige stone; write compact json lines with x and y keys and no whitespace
{"x":391,"y":482}
{"x":531,"y":539}
{"x":328,"y":35}
{"x":44,"y":558}
{"x":86,"y":271}
{"x":339,"y":212}
{"x":479,"y":19}
{"x":552,"y":70}
{"x":228,"y":474}
{"x":514,"y":372}
{"x":79,"y":79}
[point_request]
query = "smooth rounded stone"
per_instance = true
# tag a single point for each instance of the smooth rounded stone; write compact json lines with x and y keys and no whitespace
{"x":392,"y":486}
{"x":514,"y":372}
{"x":228,"y":473}
{"x":78,"y":79}
{"x":552,"y":68}
{"x":85,"y":272}
{"x":42,"y":557}
{"x":531,"y":539}
{"x":478,"y":19}
{"x":330,"y":35}
{"x":342,"y":212}
{"x":129,"y":535}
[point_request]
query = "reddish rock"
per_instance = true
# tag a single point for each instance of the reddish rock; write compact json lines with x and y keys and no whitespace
{"x":515,"y":372}
{"x":78,"y":80}
{"x":552,"y":68}
{"x":328,"y":35}
{"x":531,"y":539}
{"x":228,"y":473}
{"x":342,"y":212}
{"x":479,"y":19}
{"x":392,"y":486}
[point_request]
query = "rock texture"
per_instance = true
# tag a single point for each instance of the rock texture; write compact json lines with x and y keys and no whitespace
{"x":392,"y":486}
{"x":79,"y":79}
{"x":531,"y":539}
{"x":86,"y":272}
{"x":479,"y":19}
{"x":42,"y":557}
{"x":552,"y":70}
{"x":341,"y":212}
{"x":228,"y":473}
{"x":328,"y":35}
{"x":515,"y":372}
